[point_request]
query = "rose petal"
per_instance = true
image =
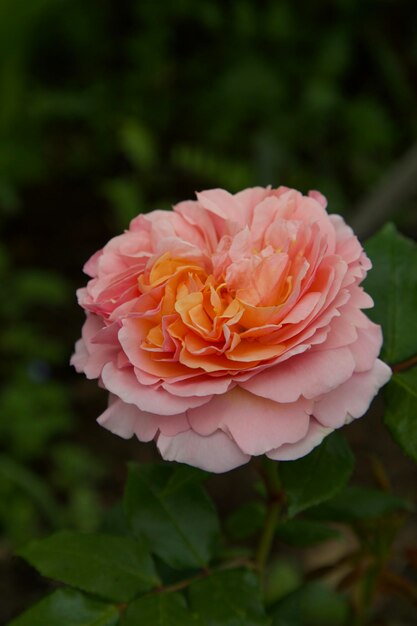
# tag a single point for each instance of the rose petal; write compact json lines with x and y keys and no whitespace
{"x":352,"y":398}
{"x":215,"y":453}
{"x":256,"y":424}
{"x":309,"y":374}
{"x":366,"y":348}
{"x":124,"y":384}
{"x":291,"y":451}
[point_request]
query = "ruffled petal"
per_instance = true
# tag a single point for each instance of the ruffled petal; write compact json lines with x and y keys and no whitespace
{"x":215,"y":453}
{"x":352,"y":399}
{"x":292,"y":451}
{"x":256,"y":424}
{"x":309,"y":374}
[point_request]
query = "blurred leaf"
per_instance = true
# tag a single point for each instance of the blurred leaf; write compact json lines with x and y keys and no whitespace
{"x":36,"y":413}
{"x":138,"y":144}
{"x":229,"y":173}
{"x":114,"y":521}
{"x":83,"y":507}
{"x":301,"y":532}
{"x":75,"y":464}
{"x":33,"y":487}
{"x":392,"y":283}
{"x":162,"y":609}
{"x":166,"y":506}
{"x":9,"y":201}
{"x":37,"y":287}
{"x":319,"y":475}
{"x":281,"y":578}
{"x":114,"y":568}
{"x":312,"y":605}
{"x":246,"y":520}
{"x":67,"y":607}
{"x":125,"y":198}
{"x":401,"y":410}
{"x":358,"y":503}
{"x":229,"y":598}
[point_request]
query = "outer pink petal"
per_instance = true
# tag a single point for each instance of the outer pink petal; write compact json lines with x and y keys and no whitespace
{"x":216,"y":453}
{"x":90,"y":355}
{"x":124,"y":384}
{"x":291,"y":451}
{"x":352,"y":399}
{"x":80,"y":356}
{"x":127,"y":420}
{"x":249,"y":199}
{"x":367,"y":347}
{"x":309,"y":374}
{"x":256,"y":424}
{"x":222,"y":204}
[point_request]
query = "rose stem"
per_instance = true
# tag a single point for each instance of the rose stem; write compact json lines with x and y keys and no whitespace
{"x":269,"y":472}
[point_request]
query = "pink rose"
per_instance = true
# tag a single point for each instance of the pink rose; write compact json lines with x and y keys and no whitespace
{"x":231,"y":327}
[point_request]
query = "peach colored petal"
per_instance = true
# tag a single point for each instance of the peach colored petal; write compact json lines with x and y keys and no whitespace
{"x":256,"y":424}
{"x":237,"y":314}
{"x":310,"y":374}
{"x":125,"y":385}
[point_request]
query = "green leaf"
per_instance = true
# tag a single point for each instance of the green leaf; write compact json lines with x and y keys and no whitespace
{"x":229,"y":598}
{"x":67,"y":607}
{"x":359,"y":503}
{"x":312,"y":605}
{"x":125,"y":198}
{"x":246,"y":520}
{"x":401,"y":410}
{"x":115,"y":568}
{"x":160,"y":609}
{"x":281,"y":578}
{"x":138,"y":144}
{"x":168,"y":507}
{"x":319,"y":475}
{"x":392,"y":283}
{"x":33,"y":487}
{"x":301,"y":532}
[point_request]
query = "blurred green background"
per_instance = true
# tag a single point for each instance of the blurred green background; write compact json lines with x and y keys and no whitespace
{"x":109,"y":108}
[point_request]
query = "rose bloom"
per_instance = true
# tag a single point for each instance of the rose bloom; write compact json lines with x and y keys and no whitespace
{"x":232,"y":327}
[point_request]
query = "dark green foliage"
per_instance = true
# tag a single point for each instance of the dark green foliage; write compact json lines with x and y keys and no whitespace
{"x":114,"y":568}
{"x":319,"y":475}
{"x":246,"y":521}
{"x":171,"y":511}
{"x":356,"y":503}
{"x":301,"y":532}
{"x":162,"y":609}
{"x":229,"y":598}
{"x":393,"y":286}
{"x":67,"y":607}
{"x":312,"y":605}
{"x":401,"y":410}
